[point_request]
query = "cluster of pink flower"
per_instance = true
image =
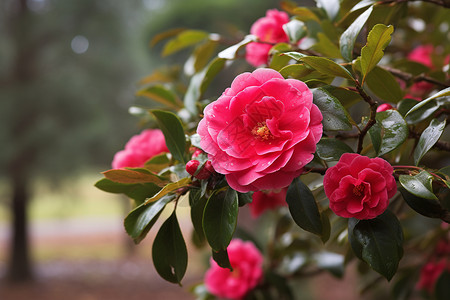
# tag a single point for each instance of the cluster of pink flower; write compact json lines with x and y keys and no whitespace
{"x":431,"y":271}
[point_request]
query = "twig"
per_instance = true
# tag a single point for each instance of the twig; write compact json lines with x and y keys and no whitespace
{"x":409,"y":77}
{"x":437,"y":2}
{"x":373,"y":111}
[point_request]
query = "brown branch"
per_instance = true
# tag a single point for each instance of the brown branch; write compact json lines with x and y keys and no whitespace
{"x":436,"y":2}
{"x":409,"y":77}
{"x":373,"y":111}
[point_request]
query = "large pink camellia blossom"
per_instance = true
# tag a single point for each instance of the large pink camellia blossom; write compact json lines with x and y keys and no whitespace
{"x":359,"y":187}
{"x":430,"y":273}
{"x":140,"y":148}
{"x":268,"y":29}
{"x":246,"y":261}
{"x":261,"y":131}
{"x":265,"y":200}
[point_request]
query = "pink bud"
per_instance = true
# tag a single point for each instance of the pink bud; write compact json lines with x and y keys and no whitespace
{"x":196,"y":153}
{"x":384,"y":107}
{"x":192,"y":166}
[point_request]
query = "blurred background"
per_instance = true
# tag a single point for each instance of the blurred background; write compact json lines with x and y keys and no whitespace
{"x":68,"y":74}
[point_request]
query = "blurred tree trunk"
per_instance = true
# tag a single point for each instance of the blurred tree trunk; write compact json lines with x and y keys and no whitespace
{"x":19,"y":168}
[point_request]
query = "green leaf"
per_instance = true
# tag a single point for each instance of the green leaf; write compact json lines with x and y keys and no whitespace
{"x":419,"y":185}
{"x":442,"y":93}
{"x":231,"y":52}
{"x":378,"y":242}
{"x":141,"y":219}
{"x":221,"y":258}
{"x":348,"y":38}
{"x":377,"y":40}
{"x":295,"y":71}
{"x":326,"y":47}
{"x":442,"y":287}
{"x":170,"y":125}
{"x":220,"y":218}
{"x":295,"y":30}
{"x":295,"y":55}
{"x":184,"y":39}
{"x":171,"y":187}
{"x":327,"y":66}
{"x":383,"y":84}
{"x":375,"y":137}
{"x":197,"y":202}
{"x":332,"y":149}
{"x":335,"y":117}
{"x":161,"y":95}
{"x":157,"y":163}
{"x":303,"y":207}
{"x":200,"y":57}
{"x":169,"y":251}
{"x":136,"y":175}
{"x":164,"y":35}
{"x":304,"y":14}
{"x":431,"y":208}
{"x":199,"y":82}
{"x":418,"y":115}
{"x":278,"y":60}
{"x":331,"y":7}
{"x":428,"y":138}
{"x":394,"y":130}
{"x":137,"y":191}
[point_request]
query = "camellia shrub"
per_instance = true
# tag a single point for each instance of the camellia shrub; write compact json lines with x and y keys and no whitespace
{"x":337,"y":125}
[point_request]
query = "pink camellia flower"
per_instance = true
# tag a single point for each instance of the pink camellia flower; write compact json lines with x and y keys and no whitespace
{"x":246,"y":261}
{"x":422,"y":54}
{"x":264,"y":200}
{"x":268,"y":29}
{"x":261,"y":131}
{"x":384,"y":107}
{"x":430,"y":274}
{"x":140,"y":148}
{"x":359,"y":187}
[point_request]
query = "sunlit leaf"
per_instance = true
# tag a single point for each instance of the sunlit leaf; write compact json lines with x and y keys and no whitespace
{"x":169,"y":251}
{"x":428,"y":138}
{"x":165,"y":35}
{"x":184,"y":39}
{"x":171,"y":187}
{"x":296,"y":71}
{"x":348,"y":38}
{"x":327,"y":66}
{"x":231,"y":52}
{"x":377,"y":40}
{"x":442,"y":93}
{"x":161,"y":94}
{"x":418,"y":115}
{"x":305,"y":14}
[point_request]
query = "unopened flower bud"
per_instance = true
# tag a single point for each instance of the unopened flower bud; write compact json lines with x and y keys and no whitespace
{"x":192,"y":166}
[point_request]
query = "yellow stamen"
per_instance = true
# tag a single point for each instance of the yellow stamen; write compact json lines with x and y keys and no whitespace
{"x":262,"y":132}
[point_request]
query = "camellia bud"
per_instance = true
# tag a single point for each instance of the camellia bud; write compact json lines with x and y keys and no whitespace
{"x":384,"y":107}
{"x":192,"y":166}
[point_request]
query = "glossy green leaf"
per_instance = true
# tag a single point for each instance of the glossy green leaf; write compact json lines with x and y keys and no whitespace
{"x":295,"y":30}
{"x":331,"y":7}
{"x":137,"y":175}
{"x":335,"y":117}
{"x":220,"y":218}
{"x":419,"y":185}
{"x":428,"y":138}
{"x":222,"y":259}
{"x":431,"y":208}
{"x":295,"y":71}
{"x":231,"y":52}
{"x":348,"y":38}
{"x":184,"y":39}
{"x":375,"y":136}
{"x":327,"y":66}
{"x":197,"y":202}
{"x":394,"y":130}
{"x":295,"y":55}
{"x":169,"y":251}
{"x":378,"y":242}
{"x":278,"y":60}
{"x":169,"y":188}
{"x":162,"y":95}
{"x":442,"y":287}
{"x":199,"y":82}
{"x":170,"y":125}
{"x":137,"y":191}
{"x":326,"y":47}
{"x":384,"y":85}
{"x":245,"y":198}
{"x":330,"y":149}
{"x":345,"y":96}
{"x":442,"y":93}
{"x":377,"y":40}
{"x":141,"y":219}
{"x":303,"y":207}
{"x":305,"y":14}
{"x":418,"y":115}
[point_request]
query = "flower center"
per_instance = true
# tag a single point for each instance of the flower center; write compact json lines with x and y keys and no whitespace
{"x":358,"y":190}
{"x":262,"y":132}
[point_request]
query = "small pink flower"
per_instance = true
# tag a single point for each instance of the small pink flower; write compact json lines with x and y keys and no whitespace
{"x":268,"y":29}
{"x":422,"y":54}
{"x":140,"y":148}
{"x":246,"y":261}
{"x":430,"y":274}
{"x":264,"y":200}
{"x":261,"y":131}
{"x":359,"y":187}
{"x":384,"y":107}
